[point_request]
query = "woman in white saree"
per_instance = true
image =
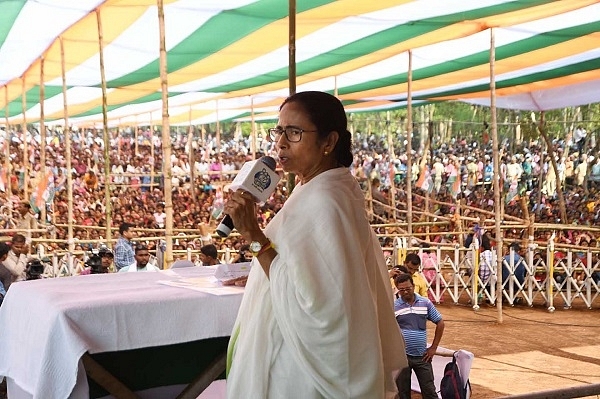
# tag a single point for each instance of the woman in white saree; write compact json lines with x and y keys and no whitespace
{"x":317,"y":316}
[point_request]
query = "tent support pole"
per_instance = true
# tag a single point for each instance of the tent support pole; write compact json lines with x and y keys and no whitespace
{"x":68,"y":155}
{"x":291,"y":178}
{"x":167,"y":170}
{"x":409,"y":128}
{"x":25,"y":143}
{"x":43,"y":170}
{"x":496,"y":155}
{"x":108,"y":210}
{"x":253,"y":123}
{"x":7,"y":171}
{"x":191,"y":159}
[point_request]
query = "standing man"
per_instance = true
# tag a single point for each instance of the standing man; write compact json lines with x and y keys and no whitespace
{"x":413,"y":264}
{"x":579,"y":137}
{"x":142,"y":258}
{"x":16,"y":261}
{"x":438,"y":173}
{"x":124,"y":255}
{"x":412,"y":312}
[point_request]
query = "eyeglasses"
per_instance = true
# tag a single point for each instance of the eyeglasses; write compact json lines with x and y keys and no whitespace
{"x":409,"y":289}
{"x":292,"y":134}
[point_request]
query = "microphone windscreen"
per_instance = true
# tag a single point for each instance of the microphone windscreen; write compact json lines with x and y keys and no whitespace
{"x":269,"y":161}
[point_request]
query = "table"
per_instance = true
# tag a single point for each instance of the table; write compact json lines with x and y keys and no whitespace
{"x":46,"y":326}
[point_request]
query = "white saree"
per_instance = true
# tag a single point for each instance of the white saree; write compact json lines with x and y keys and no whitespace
{"x":323,"y":325}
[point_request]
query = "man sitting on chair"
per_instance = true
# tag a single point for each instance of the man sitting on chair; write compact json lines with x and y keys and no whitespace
{"x":142,"y":257}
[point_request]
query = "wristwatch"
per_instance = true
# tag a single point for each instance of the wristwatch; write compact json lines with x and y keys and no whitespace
{"x":256,"y":248}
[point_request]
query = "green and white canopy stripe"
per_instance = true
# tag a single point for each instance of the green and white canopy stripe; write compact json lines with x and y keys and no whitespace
{"x":228,"y":58}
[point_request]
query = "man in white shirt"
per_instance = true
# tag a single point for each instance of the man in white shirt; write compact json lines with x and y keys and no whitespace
{"x":142,"y":258}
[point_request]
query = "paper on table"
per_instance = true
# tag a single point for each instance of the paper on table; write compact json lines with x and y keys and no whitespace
{"x":208,"y":285}
{"x":232,"y":270}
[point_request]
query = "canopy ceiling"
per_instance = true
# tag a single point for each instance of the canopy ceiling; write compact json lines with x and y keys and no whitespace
{"x":226,"y":57}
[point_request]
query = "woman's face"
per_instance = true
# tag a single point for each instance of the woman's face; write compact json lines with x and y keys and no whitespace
{"x":304,"y":158}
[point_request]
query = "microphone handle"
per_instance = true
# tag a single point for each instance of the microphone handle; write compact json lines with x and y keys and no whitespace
{"x":225,"y":227}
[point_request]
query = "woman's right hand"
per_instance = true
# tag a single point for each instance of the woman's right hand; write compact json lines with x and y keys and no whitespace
{"x":241,"y":207}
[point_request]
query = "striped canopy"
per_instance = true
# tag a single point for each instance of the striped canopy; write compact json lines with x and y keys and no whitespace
{"x":228,"y":58}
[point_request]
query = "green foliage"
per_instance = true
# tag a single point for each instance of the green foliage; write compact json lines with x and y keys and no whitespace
{"x":467,"y":121}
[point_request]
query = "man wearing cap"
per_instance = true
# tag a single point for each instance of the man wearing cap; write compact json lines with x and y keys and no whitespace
{"x":106,"y":256}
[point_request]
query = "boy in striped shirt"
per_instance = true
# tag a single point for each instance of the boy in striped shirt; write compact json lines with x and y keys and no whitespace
{"x":412,"y":312}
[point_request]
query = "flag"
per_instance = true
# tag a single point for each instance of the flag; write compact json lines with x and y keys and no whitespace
{"x":455,"y":187}
{"x":425,"y":181}
{"x":44,"y":193}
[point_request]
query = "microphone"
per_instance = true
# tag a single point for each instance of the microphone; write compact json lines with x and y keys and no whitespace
{"x":257,"y":177}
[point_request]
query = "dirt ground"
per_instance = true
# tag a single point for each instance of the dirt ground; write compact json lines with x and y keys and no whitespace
{"x":531,"y":346}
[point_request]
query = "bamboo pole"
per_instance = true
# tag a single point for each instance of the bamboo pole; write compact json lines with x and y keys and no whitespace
{"x":43,"y":169}
{"x":253,"y":140}
{"x":218,"y":133}
{"x":480,"y":210}
{"x":291,"y":178}
{"x":496,"y":155}
{"x":191,"y":159}
{"x":7,"y":150}
{"x":108,"y":205}
{"x":152,"y":155}
{"x":541,"y":128}
{"x":167,"y":170}
{"x":392,"y":167}
{"x":67,"y":133}
{"x":25,"y":143}
{"x":409,"y":144}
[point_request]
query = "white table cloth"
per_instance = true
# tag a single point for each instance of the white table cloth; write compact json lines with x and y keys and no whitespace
{"x":47,"y":325}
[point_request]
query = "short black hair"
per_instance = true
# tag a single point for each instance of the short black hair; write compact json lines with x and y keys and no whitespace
{"x":401,"y":268}
{"x":4,"y":248}
{"x":413,"y":258}
{"x":209,"y":250}
{"x":124,"y":227}
{"x":402,"y":277}
{"x":18,"y":238}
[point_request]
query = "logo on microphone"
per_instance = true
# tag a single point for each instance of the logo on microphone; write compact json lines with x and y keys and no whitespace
{"x":262,"y":180}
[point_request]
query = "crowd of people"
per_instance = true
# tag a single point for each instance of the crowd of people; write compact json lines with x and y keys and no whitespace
{"x":458,"y":170}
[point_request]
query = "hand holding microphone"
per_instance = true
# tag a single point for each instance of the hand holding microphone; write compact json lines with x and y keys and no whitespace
{"x":255,"y":182}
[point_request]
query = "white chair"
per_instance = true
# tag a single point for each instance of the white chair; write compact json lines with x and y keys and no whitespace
{"x":182,"y":263}
{"x":464,"y":359}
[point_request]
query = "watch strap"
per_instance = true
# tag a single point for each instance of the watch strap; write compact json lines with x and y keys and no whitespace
{"x":268,"y":245}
